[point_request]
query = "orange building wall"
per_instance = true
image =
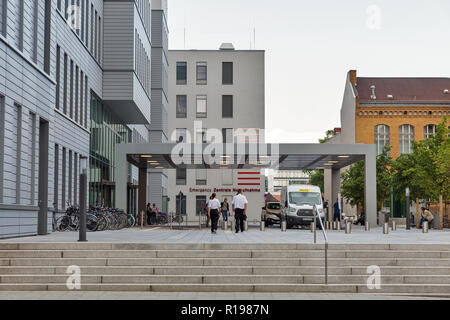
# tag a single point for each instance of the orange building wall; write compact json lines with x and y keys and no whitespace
{"x":365,"y":124}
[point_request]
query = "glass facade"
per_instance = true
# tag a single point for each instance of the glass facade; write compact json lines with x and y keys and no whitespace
{"x":106,"y":131}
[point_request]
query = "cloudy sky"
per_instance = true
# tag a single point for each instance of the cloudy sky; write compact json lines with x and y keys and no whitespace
{"x":310,"y":46}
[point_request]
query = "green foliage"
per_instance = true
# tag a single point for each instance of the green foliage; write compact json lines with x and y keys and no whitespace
{"x":352,"y":188}
{"x":328,"y":135}
{"x":316,"y":179}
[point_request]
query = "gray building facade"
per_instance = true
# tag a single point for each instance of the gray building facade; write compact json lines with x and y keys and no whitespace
{"x":75,"y":79}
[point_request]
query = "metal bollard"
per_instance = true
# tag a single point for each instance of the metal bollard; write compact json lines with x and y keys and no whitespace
{"x":327,"y":225}
{"x":386,"y":228}
{"x":262,"y":226}
{"x":338,"y":225}
{"x":283,"y":226}
{"x":233,"y":225}
{"x":425,"y":227}
{"x":348,"y":228}
{"x":367,"y":226}
{"x":245,"y":225}
{"x":225,"y":225}
{"x":312,"y":226}
{"x":394,"y":225}
{"x":333,"y":225}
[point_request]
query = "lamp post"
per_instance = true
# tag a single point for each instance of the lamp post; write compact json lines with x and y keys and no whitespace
{"x":83,"y":191}
{"x":408,"y":213}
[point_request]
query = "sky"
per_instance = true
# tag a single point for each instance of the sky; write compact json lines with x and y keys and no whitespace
{"x":311,"y":45}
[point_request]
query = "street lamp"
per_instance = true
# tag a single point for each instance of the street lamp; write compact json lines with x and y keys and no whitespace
{"x":83,"y":193}
{"x":408,"y":213}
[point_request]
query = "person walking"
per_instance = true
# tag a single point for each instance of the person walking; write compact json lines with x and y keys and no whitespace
{"x":149,"y":214}
{"x":239,"y":205}
{"x":213,"y":212}
{"x":225,"y":209}
{"x":337,"y":211}
{"x":208,"y":218}
{"x":154,"y":213}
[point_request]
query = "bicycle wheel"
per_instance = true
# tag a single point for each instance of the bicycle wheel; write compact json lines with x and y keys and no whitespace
{"x":62,"y":223}
{"x":130,"y":221}
{"x":91,"y":223}
{"x":74,"y":223}
{"x":102,"y":223}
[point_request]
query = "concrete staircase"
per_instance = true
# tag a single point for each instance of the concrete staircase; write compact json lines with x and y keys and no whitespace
{"x":211,"y":267}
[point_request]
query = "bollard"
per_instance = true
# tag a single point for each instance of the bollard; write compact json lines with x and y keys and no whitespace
{"x":333,"y":225}
{"x":327,"y":225}
{"x":262,"y":226}
{"x":142,"y":219}
{"x":338,"y":225}
{"x":283,"y":226}
{"x":386,"y":228}
{"x":312,"y":227}
{"x":233,"y":225}
{"x":367,"y":226}
{"x":394,"y":225}
{"x":425,"y":227}
{"x":245,"y":225}
{"x":348,"y":228}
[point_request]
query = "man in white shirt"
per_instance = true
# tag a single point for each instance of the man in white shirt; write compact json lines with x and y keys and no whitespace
{"x":213,"y":212}
{"x":239,"y":205}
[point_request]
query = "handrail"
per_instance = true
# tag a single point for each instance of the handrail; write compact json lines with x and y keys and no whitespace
{"x":326,"y":241}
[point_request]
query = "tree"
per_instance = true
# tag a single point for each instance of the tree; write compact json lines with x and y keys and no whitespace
{"x":317,"y":179}
{"x":328,"y":135}
{"x":353,"y":182}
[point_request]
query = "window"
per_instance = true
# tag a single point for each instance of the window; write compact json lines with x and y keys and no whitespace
{"x":86,"y":95}
{"x":3,"y":11}
{"x":181,"y":176}
{"x":71,"y":89}
{"x":2,"y":142}
{"x":70,"y":176}
{"x":35,"y":30}
{"x":96,"y":35}
{"x":66,"y":8}
{"x":201,"y":106}
{"x":227,"y":106}
{"x":92,"y":28}
{"x":75,"y":179}
{"x":76,"y":92}
{"x":58,"y":5}
{"x":429,"y":130}
{"x":81,"y":97}
{"x":181,"y":106}
{"x":87,"y":23}
{"x":381,"y":137}
{"x":32,"y":154}
{"x":181,"y":72}
{"x":227,"y":135}
{"x":63,"y":179}
{"x":200,"y":136}
{"x":181,"y":135}
{"x":65,"y":84}
{"x":47,"y":32}
{"x":58,"y":74}
{"x":56,"y":178}
{"x":18,"y":118}
{"x":202,"y":73}
{"x":200,"y":205}
{"x":82,"y":20}
{"x":406,"y":136}
{"x":99,"y":39}
{"x":180,"y":204}
{"x":227,"y":72}
{"x":19,"y":18}
{"x":200,"y":177}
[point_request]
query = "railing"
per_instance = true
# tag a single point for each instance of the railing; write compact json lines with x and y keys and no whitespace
{"x":326,"y":240}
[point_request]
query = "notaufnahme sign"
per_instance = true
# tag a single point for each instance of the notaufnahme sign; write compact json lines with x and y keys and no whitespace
{"x":202,"y":190}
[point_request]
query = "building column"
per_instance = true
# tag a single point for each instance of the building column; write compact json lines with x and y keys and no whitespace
{"x":142,"y":192}
{"x":328,"y":192}
{"x":370,"y":188}
{"x":121,"y":177}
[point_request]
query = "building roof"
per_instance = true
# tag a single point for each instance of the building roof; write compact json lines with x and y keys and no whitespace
{"x":404,"y":90}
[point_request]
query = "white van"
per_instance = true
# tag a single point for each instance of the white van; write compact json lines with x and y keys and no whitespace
{"x":297,"y":203}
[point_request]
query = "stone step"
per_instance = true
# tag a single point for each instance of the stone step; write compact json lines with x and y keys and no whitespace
{"x":219,"y":246}
{"x":220,"y":254}
{"x":219,"y":262}
{"x":236,"y":270}
{"x":440,"y":289}
{"x":225,"y":279}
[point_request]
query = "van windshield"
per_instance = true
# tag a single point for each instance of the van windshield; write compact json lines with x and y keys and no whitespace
{"x":299,"y":198}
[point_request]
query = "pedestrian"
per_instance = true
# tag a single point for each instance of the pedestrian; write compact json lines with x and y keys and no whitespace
{"x":149,"y":214}
{"x":426,"y":216}
{"x":225,"y":209}
{"x":362,"y":219}
{"x":208,"y":217}
{"x":214,"y":212}
{"x":239,"y":205}
{"x":155,"y":211}
{"x":337,"y":211}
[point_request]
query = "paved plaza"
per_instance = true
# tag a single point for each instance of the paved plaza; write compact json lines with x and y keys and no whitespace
{"x":254,"y":235}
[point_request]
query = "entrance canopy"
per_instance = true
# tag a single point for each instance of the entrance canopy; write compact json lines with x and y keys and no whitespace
{"x":330,"y":157}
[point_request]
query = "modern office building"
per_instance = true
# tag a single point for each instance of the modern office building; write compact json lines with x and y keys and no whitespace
{"x":390,"y":111}
{"x":220,"y":93}
{"x":75,"y":80}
